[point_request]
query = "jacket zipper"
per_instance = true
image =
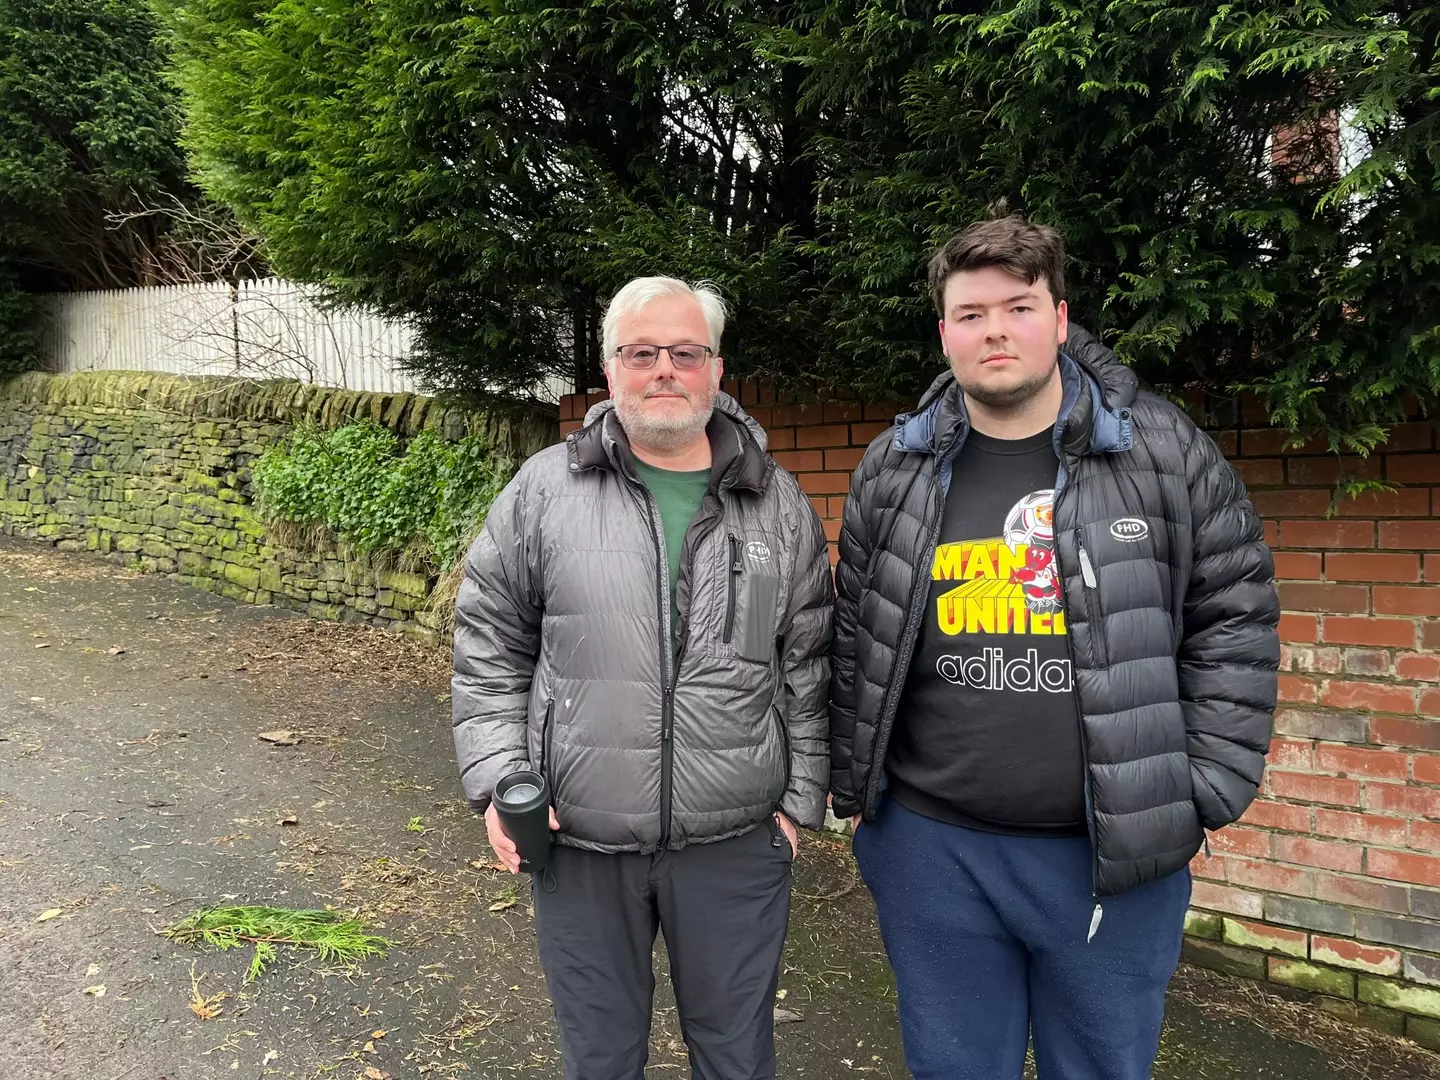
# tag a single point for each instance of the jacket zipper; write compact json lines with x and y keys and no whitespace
{"x":667,"y":669}
{"x":890,"y":705}
{"x":1092,"y":604}
{"x":737,"y":567}
{"x":1075,"y":687}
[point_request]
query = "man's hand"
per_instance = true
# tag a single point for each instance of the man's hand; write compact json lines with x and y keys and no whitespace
{"x":791,"y":832}
{"x":501,"y":844}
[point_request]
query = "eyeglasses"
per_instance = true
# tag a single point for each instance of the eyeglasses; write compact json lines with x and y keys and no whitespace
{"x":684,"y":357}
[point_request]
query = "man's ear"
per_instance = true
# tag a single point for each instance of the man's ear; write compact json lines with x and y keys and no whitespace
{"x":1062,"y":328}
{"x":940,"y":329}
{"x":719,"y":369}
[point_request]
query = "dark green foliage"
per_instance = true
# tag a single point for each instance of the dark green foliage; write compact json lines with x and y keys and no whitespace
{"x":88,"y":128}
{"x":1145,"y":130}
{"x":333,"y":936}
{"x":20,"y":325}
{"x":89,"y":134}
{"x":424,"y":500}
{"x":495,"y":170}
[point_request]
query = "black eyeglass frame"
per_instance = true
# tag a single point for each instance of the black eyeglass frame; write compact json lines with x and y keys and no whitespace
{"x":669,"y":351}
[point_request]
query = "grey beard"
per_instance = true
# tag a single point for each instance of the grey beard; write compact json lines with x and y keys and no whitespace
{"x":664,"y":432}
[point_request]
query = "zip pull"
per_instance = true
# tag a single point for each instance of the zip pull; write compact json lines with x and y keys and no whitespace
{"x":737,"y":563}
{"x":1095,"y":918}
{"x":1087,"y":570}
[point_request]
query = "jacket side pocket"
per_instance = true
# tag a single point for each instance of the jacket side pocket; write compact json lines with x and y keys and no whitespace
{"x":543,"y":765}
{"x":784,"y":731}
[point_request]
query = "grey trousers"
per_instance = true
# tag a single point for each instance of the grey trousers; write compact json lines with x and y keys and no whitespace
{"x":723,"y":908}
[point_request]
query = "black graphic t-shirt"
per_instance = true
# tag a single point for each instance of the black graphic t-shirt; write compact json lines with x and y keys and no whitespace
{"x":987,"y":734}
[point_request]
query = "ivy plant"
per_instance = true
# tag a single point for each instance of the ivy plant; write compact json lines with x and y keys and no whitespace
{"x":360,"y":485}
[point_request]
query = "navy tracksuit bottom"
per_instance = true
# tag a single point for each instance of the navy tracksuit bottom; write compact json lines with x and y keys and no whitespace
{"x":997,"y":939}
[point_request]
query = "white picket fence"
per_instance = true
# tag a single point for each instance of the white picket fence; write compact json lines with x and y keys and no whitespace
{"x":268,"y":329}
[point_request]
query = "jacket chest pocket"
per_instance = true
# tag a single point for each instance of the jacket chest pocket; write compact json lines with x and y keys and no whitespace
{"x":749,"y":599}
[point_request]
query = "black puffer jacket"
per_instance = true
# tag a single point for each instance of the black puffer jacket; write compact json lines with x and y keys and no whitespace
{"x":1168,"y":596}
{"x":562,"y":645}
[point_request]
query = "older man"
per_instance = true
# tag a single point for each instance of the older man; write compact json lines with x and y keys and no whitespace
{"x":645,"y":620}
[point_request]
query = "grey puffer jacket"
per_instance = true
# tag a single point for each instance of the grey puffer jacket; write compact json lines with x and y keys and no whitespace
{"x":562,"y":658}
{"x":1168,"y":597}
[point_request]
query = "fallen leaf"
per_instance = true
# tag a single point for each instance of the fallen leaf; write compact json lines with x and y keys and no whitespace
{"x":288,"y":819}
{"x":115,"y":650}
{"x":372,"y":1073}
{"x":782,"y":994}
{"x":43,"y":645}
{"x":378,"y":1034}
{"x":501,"y":905}
{"x":787,"y":1016}
{"x":279,"y":738}
{"x":206,"y":1008}
{"x":269,"y":1057}
{"x":92,"y":971}
{"x":368,"y":1048}
{"x":46,"y":916}
{"x":98,"y":990}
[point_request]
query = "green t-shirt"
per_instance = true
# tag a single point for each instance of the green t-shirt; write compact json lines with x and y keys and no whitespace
{"x":678,"y":495}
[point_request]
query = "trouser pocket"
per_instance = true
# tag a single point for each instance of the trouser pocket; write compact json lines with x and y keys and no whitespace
{"x":779,"y":842}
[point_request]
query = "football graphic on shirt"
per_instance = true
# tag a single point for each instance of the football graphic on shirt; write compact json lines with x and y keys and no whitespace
{"x":1031,"y":525}
{"x":1031,"y":521}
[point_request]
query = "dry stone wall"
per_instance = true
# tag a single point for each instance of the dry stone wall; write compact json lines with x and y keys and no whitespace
{"x":153,"y":470}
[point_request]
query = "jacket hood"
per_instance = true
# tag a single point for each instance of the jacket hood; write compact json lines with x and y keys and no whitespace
{"x":1094,"y":411}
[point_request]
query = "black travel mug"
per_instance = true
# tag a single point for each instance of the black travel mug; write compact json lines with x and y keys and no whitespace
{"x":522,"y":801}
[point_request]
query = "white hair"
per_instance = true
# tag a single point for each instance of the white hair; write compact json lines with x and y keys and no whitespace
{"x":641,"y":291}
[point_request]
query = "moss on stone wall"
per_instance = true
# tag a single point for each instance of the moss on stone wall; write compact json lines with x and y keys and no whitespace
{"x":154,"y":471}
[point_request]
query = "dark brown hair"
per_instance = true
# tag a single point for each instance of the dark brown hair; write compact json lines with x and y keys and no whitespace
{"x":1009,"y":241}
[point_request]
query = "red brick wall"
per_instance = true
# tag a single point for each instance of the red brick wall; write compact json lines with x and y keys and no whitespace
{"x":1343,"y":847}
{"x":1331,"y":882}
